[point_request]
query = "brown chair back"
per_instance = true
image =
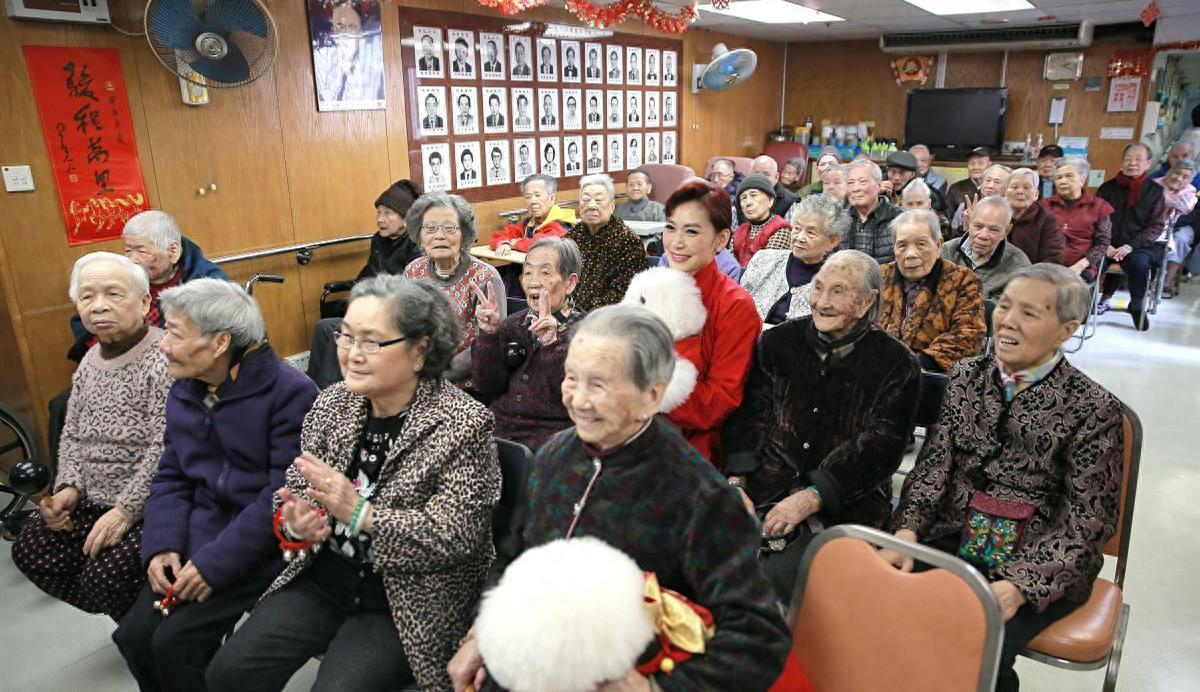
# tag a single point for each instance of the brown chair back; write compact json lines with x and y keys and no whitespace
{"x":665,"y":178}
{"x":861,"y":624}
{"x":783,"y":152}
{"x":741,"y":164}
{"x":1131,"y":460}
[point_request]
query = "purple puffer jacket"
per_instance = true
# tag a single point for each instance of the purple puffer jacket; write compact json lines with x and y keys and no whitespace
{"x":211,"y":500}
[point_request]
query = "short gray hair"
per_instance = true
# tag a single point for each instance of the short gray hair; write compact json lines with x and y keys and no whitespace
{"x":135,"y":275}
{"x":767,"y":162}
{"x":1074,"y":297}
{"x":1185,"y":164}
{"x":876,"y":172}
{"x":430,"y":200}
{"x":798,"y":163}
{"x":1000,"y":166}
{"x":419,"y":309}
{"x":1081,"y":165}
{"x":919,"y":217}
{"x":601,"y":179}
{"x":1037,"y":179}
{"x":1182,"y":143}
{"x":916,"y":186}
{"x":870,"y":276}
{"x":551,"y":183}
{"x":217,"y":305}
{"x":843,"y":169}
{"x":651,"y":347}
{"x":920,"y":147}
{"x":834,"y":220}
{"x":1145,"y":147}
{"x":158,"y":227}
{"x":998,"y":202}
{"x":569,"y":259}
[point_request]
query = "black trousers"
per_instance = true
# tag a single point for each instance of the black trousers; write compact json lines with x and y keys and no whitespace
{"x":1136,"y":266}
{"x":329,"y":609}
{"x":170,"y":654}
{"x":1024,"y":626}
{"x":58,"y":418}
{"x":323,"y":366}
{"x":782,"y":568}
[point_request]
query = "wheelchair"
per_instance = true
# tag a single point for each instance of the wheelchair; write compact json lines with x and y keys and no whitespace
{"x":21,"y":475}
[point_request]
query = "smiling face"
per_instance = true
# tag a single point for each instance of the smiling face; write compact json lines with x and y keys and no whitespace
{"x":837,"y":300}
{"x":862,"y":188}
{"x":392,"y":368}
{"x":916,"y":250}
{"x":690,"y":240}
{"x":789,"y":175}
{"x":1177,"y":178}
{"x":986,"y":229}
{"x":600,"y":397}
{"x":809,"y":242}
{"x":1045,"y":165}
{"x":1135,"y":162}
{"x":595,"y":206}
{"x":109,"y":307}
{"x":540,"y":275}
{"x":1026,"y":324}
{"x":441,"y":236}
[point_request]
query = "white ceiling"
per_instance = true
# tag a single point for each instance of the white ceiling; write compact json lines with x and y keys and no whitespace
{"x":869,"y":18}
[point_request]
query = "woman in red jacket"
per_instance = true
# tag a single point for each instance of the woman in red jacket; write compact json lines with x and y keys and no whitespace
{"x":698,"y":220}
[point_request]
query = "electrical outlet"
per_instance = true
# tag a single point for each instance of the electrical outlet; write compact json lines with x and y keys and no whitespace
{"x":18,"y":178}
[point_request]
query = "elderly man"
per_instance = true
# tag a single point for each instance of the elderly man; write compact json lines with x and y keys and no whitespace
{"x":1023,"y":439}
{"x":934,"y":306}
{"x":994,"y":182}
{"x":1179,"y":151}
{"x":1137,"y":204}
{"x":870,"y":215}
{"x":828,"y":407}
{"x":611,"y":252}
{"x":1035,"y":229}
{"x":977,"y":162}
{"x":984,"y":250}
{"x":918,"y":195}
{"x":784,"y":198}
{"x":639,"y":206}
{"x":901,"y":169}
{"x":1047,"y":158}
{"x":925,"y":170}
{"x":724,"y":174}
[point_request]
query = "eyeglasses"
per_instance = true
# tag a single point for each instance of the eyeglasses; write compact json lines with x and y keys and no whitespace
{"x":368,"y":346}
{"x":444,"y":230}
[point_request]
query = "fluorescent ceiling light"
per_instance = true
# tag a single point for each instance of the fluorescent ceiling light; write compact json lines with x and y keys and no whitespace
{"x":948,"y":7}
{"x":772,"y":12}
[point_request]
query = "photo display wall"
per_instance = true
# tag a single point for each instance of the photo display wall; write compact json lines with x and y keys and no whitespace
{"x":489,"y":105}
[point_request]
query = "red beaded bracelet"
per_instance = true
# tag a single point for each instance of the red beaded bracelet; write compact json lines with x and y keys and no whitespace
{"x":293,"y":549}
{"x":167,"y":602}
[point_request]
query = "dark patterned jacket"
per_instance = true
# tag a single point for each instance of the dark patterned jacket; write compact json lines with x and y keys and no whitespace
{"x":432,"y":535}
{"x":873,"y":236}
{"x":838,"y":423}
{"x":611,"y":256}
{"x":945,"y":322}
{"x":1058,"y":446}
{"x":661,"y":503}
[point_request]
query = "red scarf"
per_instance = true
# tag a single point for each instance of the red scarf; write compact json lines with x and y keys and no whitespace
{"x":1133,"y":186}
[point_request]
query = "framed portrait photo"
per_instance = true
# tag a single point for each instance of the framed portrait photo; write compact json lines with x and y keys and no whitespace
{"x":670,"y":60}
{"x":525,"y":158}
{"x":435,"y":167}
{"x":495,"y":109}
{"x":433,"y":110}
{"x":571,"y":71}
{"x":522,"y":110}
{"x":466,"y":110}
{"x":593,"y":66}
{"x":519,"y":61}
{"x":633,"y":65}
{"x":491,"y":46}
{"x":462,"y":54}
{"x":498,"y":165}
{"x":427,"y":44}
{"x":614,"y":72}
{"x":653,"y":67}
{"x":572,"y":109}
{"x":547,"y":60}
{"x":595,"y":154}
{"x":466,"y":161}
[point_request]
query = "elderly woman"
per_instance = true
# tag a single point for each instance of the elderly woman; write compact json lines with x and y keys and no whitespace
{"x":545,"y":218}
{"x":791,"y":174}
{"x":698,"y":218}
{"x":1137,"y":203}
{"x":918,"y":195}
{"x":828,"y":409}
{"x":830,"y":158}
{"x":444,"y":226}
{"x":833,"y":183}
{"x":611,"y":252}
{"x":517,"y":363}
{"x":233,"y":428}
{"x":1179,"y":198}
{"x":756,"y":197}
{"x":628,"y":478}
{"x":1023,"y":439}
{"x":779,"y":280}
{"x":397,"y":482}
{"x":1086,"y":226}
{"x":1036,"y":231}
{"x":83,"y":546}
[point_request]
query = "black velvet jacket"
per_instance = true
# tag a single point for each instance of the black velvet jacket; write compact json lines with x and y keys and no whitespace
{"x":839,"y":424}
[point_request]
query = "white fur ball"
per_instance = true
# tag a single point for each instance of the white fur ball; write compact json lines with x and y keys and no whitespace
{"x":673,"y":296}
{"x":565,"y":617}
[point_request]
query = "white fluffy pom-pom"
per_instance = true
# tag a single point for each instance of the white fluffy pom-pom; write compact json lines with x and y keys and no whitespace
{"x":683,"y":381}
{"x":673,"y":296}
{"x":565,"y":617}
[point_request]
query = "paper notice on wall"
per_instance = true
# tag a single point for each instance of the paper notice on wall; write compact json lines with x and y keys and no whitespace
{"x":1074,"y":146}
{"x":1150,"y":118}
{"x":1116,"y":133}
{"x":1095,"y":177}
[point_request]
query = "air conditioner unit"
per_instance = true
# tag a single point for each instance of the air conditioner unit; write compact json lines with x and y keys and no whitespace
{"x":1054,"y":36}
{"x":81,"y":11}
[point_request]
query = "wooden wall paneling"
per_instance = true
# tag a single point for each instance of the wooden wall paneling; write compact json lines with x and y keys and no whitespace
{"x":974,"y":69}
{"x":15,"y":392}
{"x":280,"y":303}
{"x":844,"y":82}
{"x":336,"y":263}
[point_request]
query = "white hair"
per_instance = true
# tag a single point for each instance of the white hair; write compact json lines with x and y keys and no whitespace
{"x":134,"y":274}
{"x":1081,"y":166}
{"x":1037,"y":179}
{"x":217,"y":305}
{"x":920,"y":147}
{"x":916,"y":187}
{"x":158,"y":227}
{"x":998,"y":202}
{"x":876,"y":172}
{"x":769,"y":165}
{"x":602,"y":180}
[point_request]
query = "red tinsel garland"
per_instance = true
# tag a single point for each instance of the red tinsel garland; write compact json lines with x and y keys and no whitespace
{"x":610,"y":14}
{"x":509,"y":7}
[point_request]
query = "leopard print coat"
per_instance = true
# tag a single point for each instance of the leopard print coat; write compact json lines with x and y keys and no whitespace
{"x":432,"y":536}
{"x":944,"y":324}
{"x":1057,"y":446}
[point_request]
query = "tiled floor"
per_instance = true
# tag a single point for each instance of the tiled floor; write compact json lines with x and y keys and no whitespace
{"x":45,"y":645}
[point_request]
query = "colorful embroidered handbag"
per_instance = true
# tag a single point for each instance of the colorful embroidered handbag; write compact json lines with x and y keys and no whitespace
{"x":993,"y":530}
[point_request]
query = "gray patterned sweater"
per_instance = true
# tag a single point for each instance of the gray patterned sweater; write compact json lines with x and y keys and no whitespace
{"x":113,"y":435}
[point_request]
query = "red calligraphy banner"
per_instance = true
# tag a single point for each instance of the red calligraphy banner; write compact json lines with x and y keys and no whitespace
{"x":84,"y":109}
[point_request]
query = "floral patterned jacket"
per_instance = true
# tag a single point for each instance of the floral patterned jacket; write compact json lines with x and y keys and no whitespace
{"x":1057,"y":446}
{"x":945,"y":322}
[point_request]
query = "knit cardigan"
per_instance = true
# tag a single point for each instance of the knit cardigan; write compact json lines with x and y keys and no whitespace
{"x":660,"y":503}
{"x":113,"y":434}
{"x":1006,"y":260}
{"x":765,"y":279}
{"x":744,"y":247}
{"x":432,"y":519}
{"x":1038,"y":233}
{"x":611,"y":256}
{"x":1057,"y":446}
{"x":459,"y":287}
{"x":945,"y":322}
{"x":839,"y":424}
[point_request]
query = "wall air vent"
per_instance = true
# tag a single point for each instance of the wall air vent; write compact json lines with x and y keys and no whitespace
{"x":1054,"y":36}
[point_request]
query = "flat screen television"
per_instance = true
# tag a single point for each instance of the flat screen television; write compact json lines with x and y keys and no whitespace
{"x":952,"y":122}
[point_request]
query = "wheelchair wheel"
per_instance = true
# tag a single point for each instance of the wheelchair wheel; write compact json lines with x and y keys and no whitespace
{"x":17,"y":444}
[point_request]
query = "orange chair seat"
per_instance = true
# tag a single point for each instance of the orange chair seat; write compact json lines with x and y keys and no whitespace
{"x":1087,"y":634}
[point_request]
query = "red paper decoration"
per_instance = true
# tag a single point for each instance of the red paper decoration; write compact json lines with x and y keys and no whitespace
{"x":1150,"y":13}
{"x":610,"y":14}
{"x":913,"y":68}
{"x":510,"y":7}
{"x":1129,"y":63}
